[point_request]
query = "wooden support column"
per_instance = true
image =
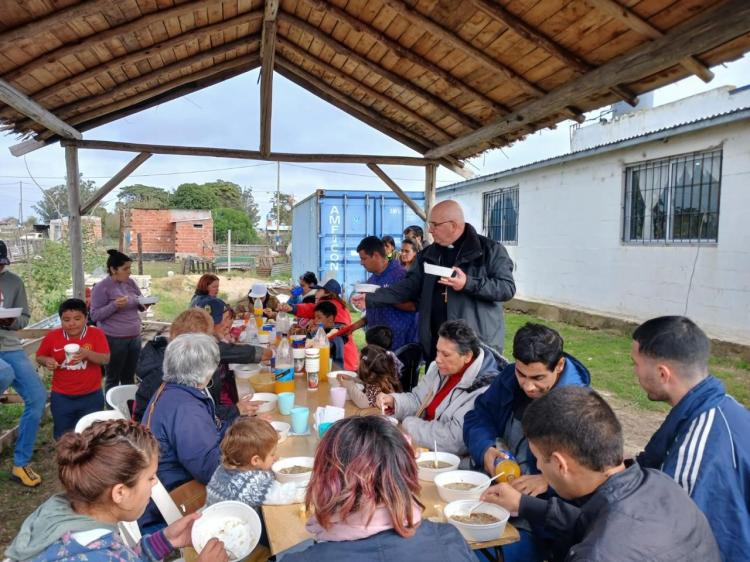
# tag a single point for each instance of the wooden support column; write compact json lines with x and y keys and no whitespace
{"x":25,"y":105}
{"x":267,"y":51}
{"x":115,"y":181}
{"x":430,"y":182}
{"x":75,"y":236}
{"x":397,"y":190}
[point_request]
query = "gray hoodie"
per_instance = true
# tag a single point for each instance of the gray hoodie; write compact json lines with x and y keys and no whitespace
{"x":46,"y":525}
{"x":14,"y":296}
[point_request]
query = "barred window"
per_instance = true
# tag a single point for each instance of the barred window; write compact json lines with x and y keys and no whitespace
{"x":501,"y":215}
{"x":673,"y":199}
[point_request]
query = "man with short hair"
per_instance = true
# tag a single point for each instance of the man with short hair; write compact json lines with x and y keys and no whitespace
{"x":623,"y":514}
{"x":481,"y":281}
{"x":541,"y":365}
{"x":400,"y":318}
{"x":704,"y":443}
{"x":414,"y":231}
{"x":17,"y":371}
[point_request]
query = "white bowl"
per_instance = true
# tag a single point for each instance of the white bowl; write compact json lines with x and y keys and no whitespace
{"x":365,"y":288}
{"x":282,"y":428}
{"x":210,"y":523}
{"x":148,"y":300}
{"x":269,"y":398}
{"x":479,"y":480}
{"x":333,"y":376}
{"x":244,"y":370}
{"x":477,"y":533}
{"x":300,"y":479}
{"x":439,"y":270}
{"x":429,"y":473}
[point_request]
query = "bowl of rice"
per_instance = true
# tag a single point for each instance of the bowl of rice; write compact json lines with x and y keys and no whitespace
{"x":234,"y":523}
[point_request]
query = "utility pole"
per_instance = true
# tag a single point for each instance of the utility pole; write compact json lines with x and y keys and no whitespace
{"x":278,"y":203}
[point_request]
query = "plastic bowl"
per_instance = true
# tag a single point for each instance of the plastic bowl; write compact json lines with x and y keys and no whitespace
{"x":148,"y":300}
{"x":270,"y":400}
{"x":262,"y":381}
{"x":299,"y":479}
{"x":282,"y":428}
{"x":477,"y":533}
{"x":428,"y":472}
{"x":479,"y":480}
{"x":209,"y":525}
{"x":365,"y":288}
{"x":438,"y":270}
{"x":333,"y":376}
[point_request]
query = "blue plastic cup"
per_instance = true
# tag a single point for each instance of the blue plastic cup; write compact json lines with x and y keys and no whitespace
{"x":286,"y":402}
{"x":300,"y":418}
{"x":323,"y":428}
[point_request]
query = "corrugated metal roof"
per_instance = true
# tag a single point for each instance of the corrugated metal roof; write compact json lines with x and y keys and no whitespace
{"x":701,"y":123}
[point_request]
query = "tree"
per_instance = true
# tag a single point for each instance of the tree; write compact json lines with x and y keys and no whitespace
{"x":250,"y":206}
{"x":285,"y":202}
{"x":228,"y":193}
{"x":139,"y":196}
{"x":54,"y":205}
{"x":193,"y":196}
{"x":236,"y":221}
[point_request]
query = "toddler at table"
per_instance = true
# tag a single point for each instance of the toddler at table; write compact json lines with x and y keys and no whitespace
{"x":378,"y":373}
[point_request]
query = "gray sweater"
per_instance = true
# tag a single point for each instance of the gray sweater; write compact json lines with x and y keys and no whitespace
{"x":246,"y":486}
{"x":14,"y":296}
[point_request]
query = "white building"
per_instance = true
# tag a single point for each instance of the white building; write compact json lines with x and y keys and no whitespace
{"x":649,"y":215}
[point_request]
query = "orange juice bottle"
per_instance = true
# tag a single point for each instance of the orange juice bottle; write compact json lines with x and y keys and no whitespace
{"x":321,"y":342}
{"x":258,"y":312}
{"x":507,"y":467}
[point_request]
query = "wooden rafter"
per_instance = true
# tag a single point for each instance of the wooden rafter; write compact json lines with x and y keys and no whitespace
{"x":73,"y":110}
{"x":116,"y":180}
{"x":403,"y":52}
{"x":26,"y":106}
{"x":369,"y":91}
{"x":103,"y":36}
{"x":398,"y":191}
{"x":536,"y":37}
{"x":267,"y":50}
{"x":710,"y":28}
{"x":247,"y":154}
{"x":640,"y":25}
{"x":397,"y":80}
{"x":451,"y":38}
{"x":138,"y":56}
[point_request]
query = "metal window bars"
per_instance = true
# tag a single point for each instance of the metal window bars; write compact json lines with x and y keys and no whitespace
{"x":500,"y":222}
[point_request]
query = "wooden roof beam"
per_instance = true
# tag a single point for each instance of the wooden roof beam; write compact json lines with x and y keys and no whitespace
{"x":26,"y":106}
{"x":267,"y":51}
{"x":639,"y":25}
{"x":380,"y":70}
{"x":450,"y":37}
{"x":116,"y":180}
{"x":247,"y":154}
{"x":398,"y":191}
{"x":373,"y":93}
{"x":707,"y":30}
{"x":399,"y":50}
{"x":138,"y":56}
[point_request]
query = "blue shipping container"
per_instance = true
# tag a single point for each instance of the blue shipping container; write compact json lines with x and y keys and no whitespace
{"x":328,"y":226}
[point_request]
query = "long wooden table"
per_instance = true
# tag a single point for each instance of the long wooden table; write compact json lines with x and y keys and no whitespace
{"x":285,"y":524}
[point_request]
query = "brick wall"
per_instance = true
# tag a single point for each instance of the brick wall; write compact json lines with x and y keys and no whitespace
{"x":156,"y":230}
{"x":194,"y":240}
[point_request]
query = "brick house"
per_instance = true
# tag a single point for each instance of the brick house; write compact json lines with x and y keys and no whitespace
{"x":171,"y":233}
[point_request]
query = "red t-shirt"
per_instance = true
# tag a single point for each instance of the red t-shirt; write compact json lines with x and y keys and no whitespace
{"x":449,"y":385}
{"x":82,"y":378}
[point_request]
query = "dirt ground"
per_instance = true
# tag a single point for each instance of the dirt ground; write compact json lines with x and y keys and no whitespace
{"x":637,"y":425}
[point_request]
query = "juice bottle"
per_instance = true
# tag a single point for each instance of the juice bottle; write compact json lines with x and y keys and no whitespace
{"x":283,"y":370}
{"x":507,"y":467}
{"x":258,"y":312}
{"x":321,"y":342}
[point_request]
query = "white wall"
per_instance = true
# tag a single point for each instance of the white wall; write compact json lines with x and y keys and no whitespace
{"x":570,"y":250}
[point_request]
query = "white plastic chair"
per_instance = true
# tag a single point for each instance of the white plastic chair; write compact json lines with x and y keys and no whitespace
{"x":118,"y":396}
{"x":102,"y":415}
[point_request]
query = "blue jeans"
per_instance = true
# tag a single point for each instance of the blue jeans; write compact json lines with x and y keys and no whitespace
{"x":17,"y":371}
{"x":68,"y":409}
{"x":527,"y":549}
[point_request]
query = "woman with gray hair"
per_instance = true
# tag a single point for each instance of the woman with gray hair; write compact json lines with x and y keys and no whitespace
{"x":182,"y":417}
{"x":434,"y":410}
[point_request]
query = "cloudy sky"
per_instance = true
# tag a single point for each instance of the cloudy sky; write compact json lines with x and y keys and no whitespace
{"x":227,"y":115}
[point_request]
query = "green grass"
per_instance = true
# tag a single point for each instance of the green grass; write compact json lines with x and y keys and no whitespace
{"x":174,"y":297}
{"x":158,"y":269}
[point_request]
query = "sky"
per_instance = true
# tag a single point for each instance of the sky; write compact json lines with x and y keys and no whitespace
{"x":227,"y":115}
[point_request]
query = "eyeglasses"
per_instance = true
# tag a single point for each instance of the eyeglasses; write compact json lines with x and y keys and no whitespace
{"x":433,"y":225}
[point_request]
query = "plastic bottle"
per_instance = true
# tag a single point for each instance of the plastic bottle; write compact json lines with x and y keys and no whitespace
{"x":507,"y":467}
{"x":312,"y":368}
{"x":258,"y":312}
{"x":283,"y":370}
{"x":320,"y":341}
{"x":250,"y":334}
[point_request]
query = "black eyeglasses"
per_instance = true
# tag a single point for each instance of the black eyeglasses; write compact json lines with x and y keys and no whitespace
{"x":433,"y":224}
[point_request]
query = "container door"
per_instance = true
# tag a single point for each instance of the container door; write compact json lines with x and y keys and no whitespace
{"x":392,"y":215}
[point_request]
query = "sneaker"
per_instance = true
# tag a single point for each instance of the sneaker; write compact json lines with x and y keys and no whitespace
{"x":26,"y":476}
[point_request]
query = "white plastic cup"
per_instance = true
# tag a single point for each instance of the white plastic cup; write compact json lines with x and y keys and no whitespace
{"x":338,"y":396}
{"x":70,"y":350}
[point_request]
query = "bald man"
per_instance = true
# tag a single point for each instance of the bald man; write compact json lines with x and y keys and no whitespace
{"x":482,"y":280}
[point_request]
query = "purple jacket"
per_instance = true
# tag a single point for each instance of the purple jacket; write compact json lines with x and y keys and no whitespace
{"x":118,"y":323}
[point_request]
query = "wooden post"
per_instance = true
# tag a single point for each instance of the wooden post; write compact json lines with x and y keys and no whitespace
{"x":229,"y":251}
{"x":75,"y":236}
{"x":429,"y":187}
{"x":140,"y":254}
{"x":122,"y":230}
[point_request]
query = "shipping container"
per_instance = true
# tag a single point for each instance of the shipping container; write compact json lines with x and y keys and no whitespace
{"x":328,"y":226}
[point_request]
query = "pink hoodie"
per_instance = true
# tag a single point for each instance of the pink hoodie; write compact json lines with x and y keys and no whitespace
{"x":355,"y":526}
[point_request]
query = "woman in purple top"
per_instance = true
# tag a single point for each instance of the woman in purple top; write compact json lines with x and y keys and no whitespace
{"x":114,"y":308}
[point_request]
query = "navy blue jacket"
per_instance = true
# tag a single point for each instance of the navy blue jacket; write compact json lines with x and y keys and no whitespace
{"x":493,"y":409}
{"x":704,"y":444}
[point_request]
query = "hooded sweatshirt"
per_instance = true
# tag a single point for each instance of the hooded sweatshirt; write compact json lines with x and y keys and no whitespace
{"x":14,"y":296}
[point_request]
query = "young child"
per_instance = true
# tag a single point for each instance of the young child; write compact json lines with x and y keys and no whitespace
{"x":383,"y":336}
{"x":325,"y":314}
{"x":247,"y":452}
{"x":377,"y":371}
{"x":76,"y":380}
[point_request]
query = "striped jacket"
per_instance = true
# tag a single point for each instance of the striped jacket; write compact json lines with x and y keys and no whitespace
{"x":704,"y":444}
